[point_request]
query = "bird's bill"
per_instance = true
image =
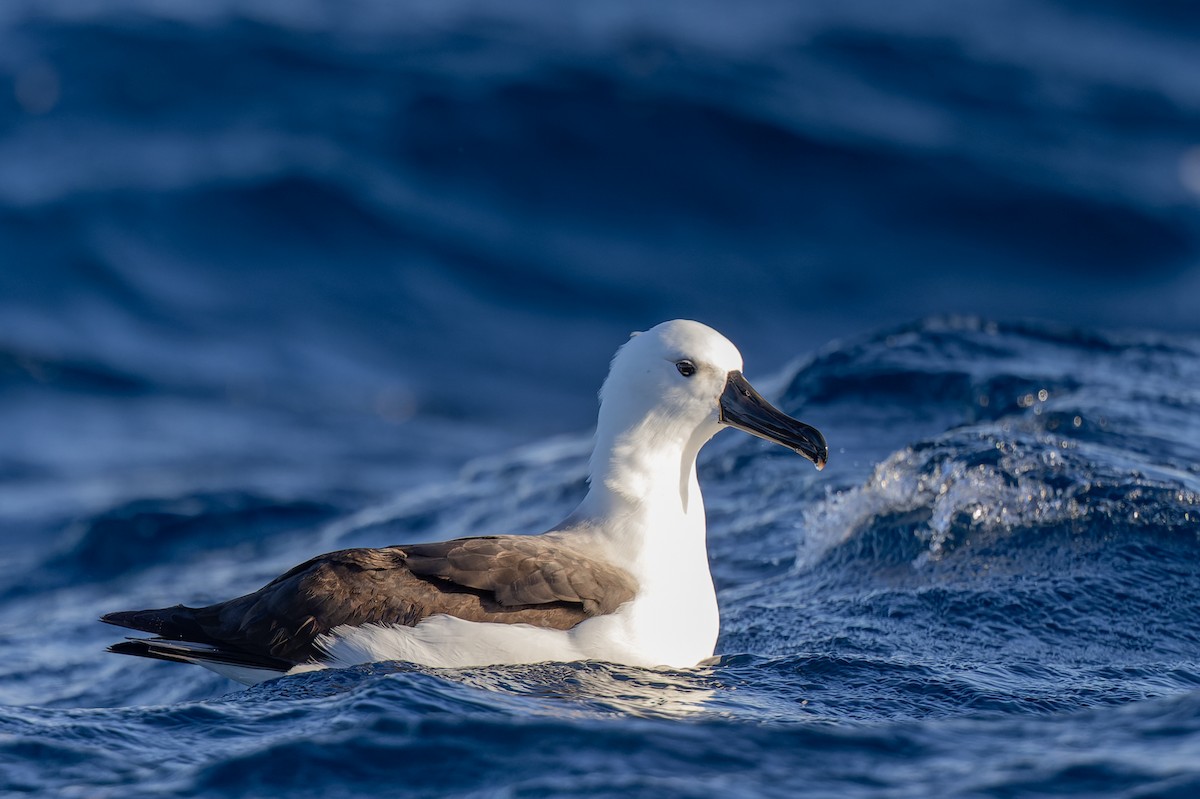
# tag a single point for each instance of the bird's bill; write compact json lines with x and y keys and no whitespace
{"x":744,"y":408}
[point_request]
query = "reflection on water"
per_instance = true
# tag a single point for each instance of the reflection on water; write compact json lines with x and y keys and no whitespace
{"x":592,"y":689}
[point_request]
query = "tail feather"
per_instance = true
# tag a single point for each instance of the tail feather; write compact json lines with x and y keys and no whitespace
{"x":176,"y":623}
{"x":200,"y":654}
{"x":180,"y":638}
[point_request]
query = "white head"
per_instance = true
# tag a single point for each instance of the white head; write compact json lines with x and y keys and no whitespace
{"x":671,"y":388}
{"x":674,"y":374}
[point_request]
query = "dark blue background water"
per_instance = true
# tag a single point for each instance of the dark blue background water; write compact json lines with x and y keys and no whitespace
{"x":281,"y":277}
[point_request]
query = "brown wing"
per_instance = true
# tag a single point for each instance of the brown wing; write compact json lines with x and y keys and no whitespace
{"x":525,"y":570}
{"x":504,"y":579}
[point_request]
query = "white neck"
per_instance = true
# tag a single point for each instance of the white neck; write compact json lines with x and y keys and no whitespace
{"x":644,"y":487}
{"x":644,"y":512}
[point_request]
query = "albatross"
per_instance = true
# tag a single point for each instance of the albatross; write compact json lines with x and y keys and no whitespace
{"x":624,"y":579}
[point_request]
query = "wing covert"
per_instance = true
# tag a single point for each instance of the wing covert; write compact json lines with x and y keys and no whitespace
{"x":525,"y":570}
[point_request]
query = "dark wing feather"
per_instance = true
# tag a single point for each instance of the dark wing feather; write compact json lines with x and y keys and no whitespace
{"x":525,"y":570}
{"x":506,"y":579}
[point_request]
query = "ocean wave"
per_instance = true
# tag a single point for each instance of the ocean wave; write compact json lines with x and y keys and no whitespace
{"x":150,"y":532}
{"x":280,"y":280}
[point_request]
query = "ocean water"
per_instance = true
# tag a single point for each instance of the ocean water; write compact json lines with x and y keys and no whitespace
{"x":279,"y":278}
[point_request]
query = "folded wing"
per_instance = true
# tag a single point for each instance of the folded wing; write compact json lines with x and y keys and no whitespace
{"x":502,"y":579}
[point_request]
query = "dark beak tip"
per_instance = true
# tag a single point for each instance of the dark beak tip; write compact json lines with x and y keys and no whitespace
{"x":819,"y":459}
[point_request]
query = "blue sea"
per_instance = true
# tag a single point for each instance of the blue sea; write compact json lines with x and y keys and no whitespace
{"x":279,"y":277}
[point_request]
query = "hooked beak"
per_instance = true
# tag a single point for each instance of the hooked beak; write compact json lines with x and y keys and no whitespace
{"x":744,"y":408}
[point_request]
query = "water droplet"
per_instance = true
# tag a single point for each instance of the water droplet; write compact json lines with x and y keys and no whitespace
{"x":394,"y":404}
{"x":1043,"y":395}
{"x":37,"y":88}
{"x":1189,"y":170}
{"x":1077,"y":421}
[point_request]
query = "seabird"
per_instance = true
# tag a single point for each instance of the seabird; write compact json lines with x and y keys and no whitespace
{"x":624,"y":579}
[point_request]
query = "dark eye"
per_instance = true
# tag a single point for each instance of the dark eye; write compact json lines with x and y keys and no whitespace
{"x":686,"y":368}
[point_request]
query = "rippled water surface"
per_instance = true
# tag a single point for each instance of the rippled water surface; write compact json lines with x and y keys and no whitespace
{"x":994,"y":592}
{"x":283,"y":278}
